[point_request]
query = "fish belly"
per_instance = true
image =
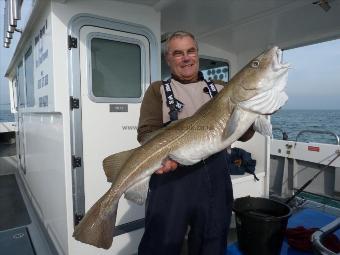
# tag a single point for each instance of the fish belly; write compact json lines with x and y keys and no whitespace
{"x":196,"y":151}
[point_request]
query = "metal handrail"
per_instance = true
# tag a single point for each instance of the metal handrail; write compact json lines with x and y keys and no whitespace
{"x":319,"y":132}
{"x":284,"y":134}
{"x":321,"y":234}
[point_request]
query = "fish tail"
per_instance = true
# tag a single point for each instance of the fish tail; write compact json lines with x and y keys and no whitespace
{"x":97,"y":226}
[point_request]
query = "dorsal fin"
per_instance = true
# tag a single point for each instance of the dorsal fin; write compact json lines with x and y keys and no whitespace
{"x":113,"y":163}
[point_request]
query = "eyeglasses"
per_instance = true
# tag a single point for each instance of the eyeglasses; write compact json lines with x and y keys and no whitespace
{"x":192,"y":52}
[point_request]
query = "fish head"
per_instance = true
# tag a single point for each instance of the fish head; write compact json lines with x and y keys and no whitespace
{"x":261,"y":83}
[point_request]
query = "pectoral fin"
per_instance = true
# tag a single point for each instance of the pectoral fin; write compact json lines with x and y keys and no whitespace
{"x":138,"y":192}
{"x":239,"y":121}
{"x":113,"y":163}
{"x":263,"y":126}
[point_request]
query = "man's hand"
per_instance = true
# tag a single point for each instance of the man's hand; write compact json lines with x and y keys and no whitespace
{"x":167,"y":166}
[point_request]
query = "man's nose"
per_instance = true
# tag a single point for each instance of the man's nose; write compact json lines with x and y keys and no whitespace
{"x":186,"y":57}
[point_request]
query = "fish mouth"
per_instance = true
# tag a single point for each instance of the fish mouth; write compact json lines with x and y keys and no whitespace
{"x":270,"y":95}
{"x":278,"y":61}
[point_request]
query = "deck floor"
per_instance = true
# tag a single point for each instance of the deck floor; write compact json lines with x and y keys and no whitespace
{"x":20,"y":229}
{"x":13,"y":209}
{"x":307,"y":217}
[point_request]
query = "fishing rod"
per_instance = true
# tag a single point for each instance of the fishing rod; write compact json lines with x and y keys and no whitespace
{"x":312,"y":179}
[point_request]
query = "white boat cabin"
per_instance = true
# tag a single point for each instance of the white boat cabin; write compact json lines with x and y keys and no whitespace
{"x":78,"y":76}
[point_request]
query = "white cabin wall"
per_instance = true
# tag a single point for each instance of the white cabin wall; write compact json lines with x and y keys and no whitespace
{"x":45,"y":172}
{"x":62,"y":13}
{"x":258,"y":147}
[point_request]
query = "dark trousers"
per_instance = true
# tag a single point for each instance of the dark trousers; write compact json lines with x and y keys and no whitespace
{"x":199,"y":196}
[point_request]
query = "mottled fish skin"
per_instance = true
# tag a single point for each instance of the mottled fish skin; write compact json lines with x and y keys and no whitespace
{"x":214,"y":127}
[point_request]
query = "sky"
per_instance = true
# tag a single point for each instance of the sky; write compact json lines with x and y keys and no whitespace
{"x":314,"y":77}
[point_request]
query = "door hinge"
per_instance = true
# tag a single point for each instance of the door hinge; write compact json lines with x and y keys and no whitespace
{"x":72,"y":42}
{"x":76,"y":161}
{"x":74,"y":103}
{"x":78,"y":218}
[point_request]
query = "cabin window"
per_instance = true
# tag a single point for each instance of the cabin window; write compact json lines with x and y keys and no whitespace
{"x":21,"y":86}
{"x":29,"y":79}
{"x":116,"y":69}
{"x":214,"y":69}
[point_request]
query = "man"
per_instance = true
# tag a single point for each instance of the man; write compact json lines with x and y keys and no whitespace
{"x":198,"y":196}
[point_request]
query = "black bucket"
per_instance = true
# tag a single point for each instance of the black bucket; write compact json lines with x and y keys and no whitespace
{"x":261,"y":224}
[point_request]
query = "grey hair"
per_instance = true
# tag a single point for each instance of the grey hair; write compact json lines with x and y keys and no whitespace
{"x":177,"y":34}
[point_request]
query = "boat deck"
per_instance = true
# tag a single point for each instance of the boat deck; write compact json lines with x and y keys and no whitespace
{"x":20,"y":229}
{"x":306,"y":217}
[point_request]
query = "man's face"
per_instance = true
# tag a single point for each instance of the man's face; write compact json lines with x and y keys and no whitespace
{"x":182,"y":58}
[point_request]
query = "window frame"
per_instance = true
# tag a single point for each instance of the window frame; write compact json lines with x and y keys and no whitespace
{"x":28,"y":87}
{"x":118,"y":38}
{"x":21,"y":87}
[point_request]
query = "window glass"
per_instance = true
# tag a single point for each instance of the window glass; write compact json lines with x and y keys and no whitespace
{"x":214,"y":70}
{"x":29,"y":79}
{"x":116,"y":69}
{"x":21,"y":86}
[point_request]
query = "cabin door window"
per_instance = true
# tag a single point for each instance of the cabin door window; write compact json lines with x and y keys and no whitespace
{"x":116,"y":69}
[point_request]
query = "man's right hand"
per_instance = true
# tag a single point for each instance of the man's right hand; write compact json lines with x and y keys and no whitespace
{"x":168,"y":165}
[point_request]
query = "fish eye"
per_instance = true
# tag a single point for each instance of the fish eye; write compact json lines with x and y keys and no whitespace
{"x":255,"y":63}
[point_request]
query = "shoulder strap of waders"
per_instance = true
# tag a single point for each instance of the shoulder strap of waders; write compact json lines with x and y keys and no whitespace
{"x":212,"y":91}
{"x":174,"y":105}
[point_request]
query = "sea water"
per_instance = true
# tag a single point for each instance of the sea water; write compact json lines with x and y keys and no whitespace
{"x":294,"y":121}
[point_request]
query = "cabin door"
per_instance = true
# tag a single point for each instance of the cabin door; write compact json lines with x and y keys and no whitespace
{"x":115,"y":70}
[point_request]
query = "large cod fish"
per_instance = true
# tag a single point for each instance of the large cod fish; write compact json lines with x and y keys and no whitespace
{"x":258,"y":89}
